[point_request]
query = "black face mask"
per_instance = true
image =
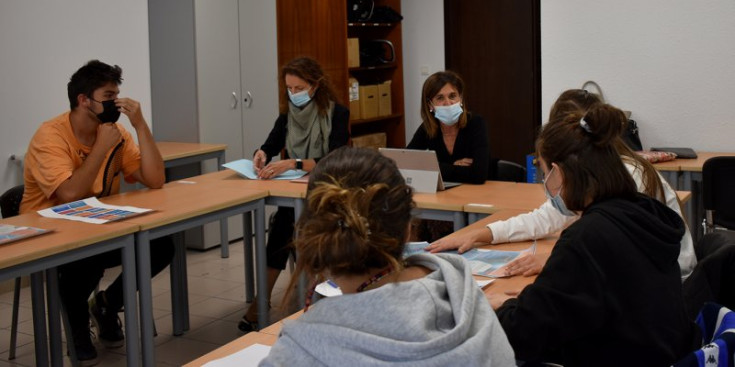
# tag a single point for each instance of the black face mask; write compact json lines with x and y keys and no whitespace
{"x":110,"y":112}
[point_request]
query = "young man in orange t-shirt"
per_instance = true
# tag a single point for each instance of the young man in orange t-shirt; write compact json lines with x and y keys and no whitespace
{"x":79,"y":154}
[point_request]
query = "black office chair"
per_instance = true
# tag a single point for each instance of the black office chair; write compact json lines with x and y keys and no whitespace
{"x":718,"y":175}
{"x":9,"y":207}
{"x":510,"y":171}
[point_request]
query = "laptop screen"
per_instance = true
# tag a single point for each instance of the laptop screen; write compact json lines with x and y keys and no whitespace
{"x":420,"y":168}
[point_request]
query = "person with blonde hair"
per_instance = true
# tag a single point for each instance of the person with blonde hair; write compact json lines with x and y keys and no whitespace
{"x":386,"y":309}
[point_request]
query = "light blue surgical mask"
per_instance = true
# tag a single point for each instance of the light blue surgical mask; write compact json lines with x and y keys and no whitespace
{"x":449,"y":115}
{"x":556,"y":201}
{"x":300,"y":99}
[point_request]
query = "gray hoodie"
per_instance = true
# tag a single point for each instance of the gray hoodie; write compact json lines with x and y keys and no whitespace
{"x":442,"y":319}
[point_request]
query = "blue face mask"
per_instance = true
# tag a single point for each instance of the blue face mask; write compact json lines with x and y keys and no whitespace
{"x":449,"y":115}
{"x":300,"y":99}
{"x":556,"y":201}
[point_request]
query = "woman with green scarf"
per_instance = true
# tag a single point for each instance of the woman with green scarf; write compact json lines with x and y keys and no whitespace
{"x":311,"y":125}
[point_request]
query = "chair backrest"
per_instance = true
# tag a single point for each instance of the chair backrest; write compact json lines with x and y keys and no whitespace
{"x":718,"y":176}
{"x":510,"y":171}
{"x":10,"y":201}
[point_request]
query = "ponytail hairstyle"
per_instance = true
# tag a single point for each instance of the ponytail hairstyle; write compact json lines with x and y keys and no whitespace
{"x":310,"y":71}
{"x":580,"y":101}
{"x":583,"y":146}
{"x":356,"y":217}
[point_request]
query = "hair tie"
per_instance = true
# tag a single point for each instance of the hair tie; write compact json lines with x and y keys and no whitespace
{"x":584,"y":125}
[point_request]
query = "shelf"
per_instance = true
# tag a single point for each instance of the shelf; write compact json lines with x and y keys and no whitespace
{"x":369,"y":24}
{"x":375,"y":119}
{"x":376,"y":67}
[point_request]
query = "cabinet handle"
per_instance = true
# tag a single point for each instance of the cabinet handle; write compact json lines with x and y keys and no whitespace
{"x":234,"y":101}
{"x":248,"y":99}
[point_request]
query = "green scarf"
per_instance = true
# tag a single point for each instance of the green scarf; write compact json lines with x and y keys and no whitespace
{"x":308,"y":133}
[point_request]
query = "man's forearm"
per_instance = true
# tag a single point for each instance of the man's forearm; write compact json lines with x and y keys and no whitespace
{"x":79,"y":185}
{"x":151,"y":162}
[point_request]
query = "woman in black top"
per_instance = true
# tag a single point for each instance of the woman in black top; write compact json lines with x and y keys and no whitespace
{"x":311,"y":125}
{"x":610,"y":292}
{"x":458,"y":137}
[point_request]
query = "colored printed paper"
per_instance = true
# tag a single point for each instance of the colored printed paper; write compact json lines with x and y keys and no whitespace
{"x":91,"y":210}
{"x":10,"y":233}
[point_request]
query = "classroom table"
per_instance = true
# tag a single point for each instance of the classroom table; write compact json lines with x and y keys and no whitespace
{"x":498,"y":195}
{"x":180,"y":205}
{"x":68,"y":241}
{"x":282,"y":193}
{"x":177,"y":154}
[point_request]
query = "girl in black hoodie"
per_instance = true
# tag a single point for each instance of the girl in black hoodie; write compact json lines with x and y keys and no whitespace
{"x":610,"y":293}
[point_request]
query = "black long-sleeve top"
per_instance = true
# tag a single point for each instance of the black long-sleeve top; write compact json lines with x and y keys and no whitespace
{"x":609,"y":294}
{"x":339,"y":136}
{"x":472,"y":142}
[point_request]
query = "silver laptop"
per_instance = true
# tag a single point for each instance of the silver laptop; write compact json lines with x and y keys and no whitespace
{"x":420,"y":169}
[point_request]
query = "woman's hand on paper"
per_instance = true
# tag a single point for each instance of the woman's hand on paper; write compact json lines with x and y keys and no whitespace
{"x":527,"y":265}
{"x":259,"y":160}
{"x":461,"y":242}
{"x":274,"y":169}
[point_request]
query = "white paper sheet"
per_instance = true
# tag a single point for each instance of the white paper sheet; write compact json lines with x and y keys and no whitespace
{"x":249,"y":356}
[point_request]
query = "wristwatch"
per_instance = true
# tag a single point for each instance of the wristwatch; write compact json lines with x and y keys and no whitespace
{"x":299,"y":164}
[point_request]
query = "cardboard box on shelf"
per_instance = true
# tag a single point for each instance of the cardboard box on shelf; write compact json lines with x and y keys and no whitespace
{"x":354,"y":92}
{"x":384,"y":99}
{"x":368,"y":101}
{"x":353,"y":52}
{"x":375,"y":141}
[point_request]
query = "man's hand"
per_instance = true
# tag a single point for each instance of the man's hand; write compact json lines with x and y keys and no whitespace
{"x":108,"y":136}
{"x":131,"y":108}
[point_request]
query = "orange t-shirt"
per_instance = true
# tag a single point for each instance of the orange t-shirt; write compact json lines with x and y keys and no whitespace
{"x":55,"y":153}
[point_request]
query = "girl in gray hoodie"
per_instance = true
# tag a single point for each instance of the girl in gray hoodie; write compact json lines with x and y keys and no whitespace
{"x":423,"y":310}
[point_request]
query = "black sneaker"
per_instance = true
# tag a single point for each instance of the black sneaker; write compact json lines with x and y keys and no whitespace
{"x":86,"y":353}
{"x":107,"y":322}
{"x":246,"y":325}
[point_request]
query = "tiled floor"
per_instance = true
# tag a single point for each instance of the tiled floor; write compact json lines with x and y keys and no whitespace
{"x":216,"y":303}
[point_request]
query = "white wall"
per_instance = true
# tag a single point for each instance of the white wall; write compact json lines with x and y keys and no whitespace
{"x":670,"y":62}
{"x":43,"y":42}
{"x":423,"y":45}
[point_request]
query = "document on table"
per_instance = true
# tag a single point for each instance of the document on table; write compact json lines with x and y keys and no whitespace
{"x":245,"y":168}
{"x":10,"y":233}
{"x":91,"y":210}
{"x":486,"y":263}
{"x":249,"y":356}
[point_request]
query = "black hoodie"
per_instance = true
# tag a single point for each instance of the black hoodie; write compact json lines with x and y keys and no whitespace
{"x":610,"y":293}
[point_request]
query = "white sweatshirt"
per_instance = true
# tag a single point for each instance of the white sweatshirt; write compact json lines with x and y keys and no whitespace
{"x":546,"y":220}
